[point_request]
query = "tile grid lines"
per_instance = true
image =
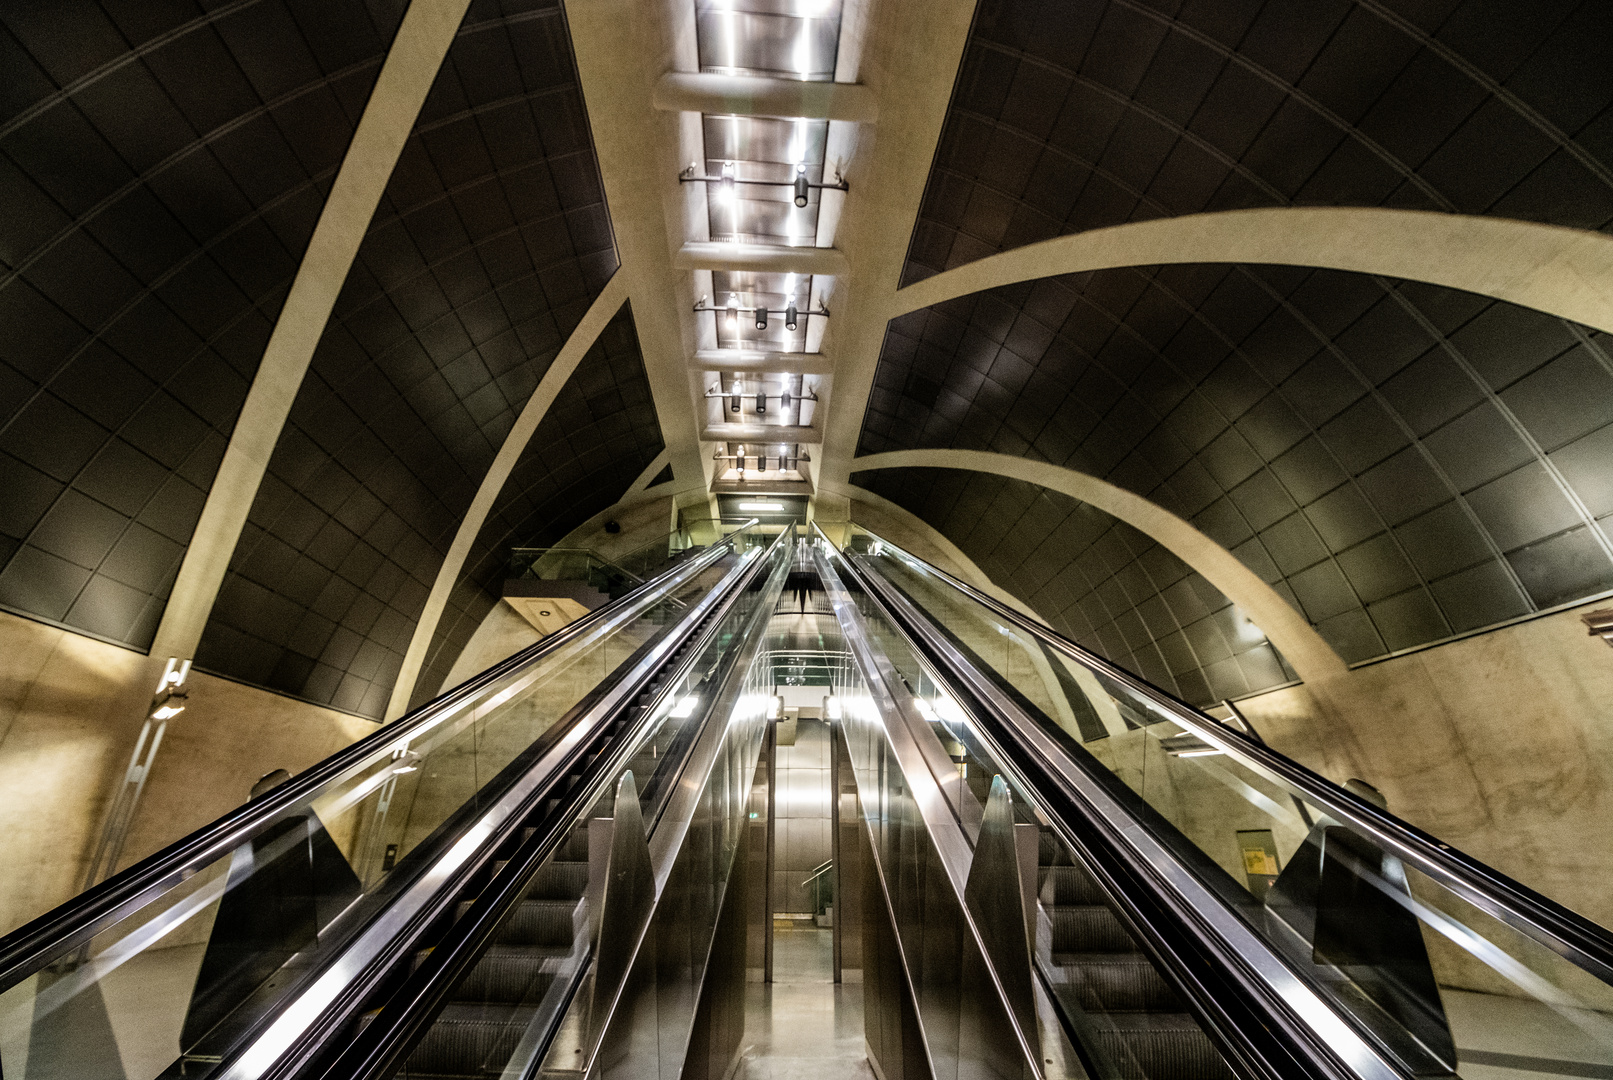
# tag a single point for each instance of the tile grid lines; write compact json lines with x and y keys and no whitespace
{"x":1270,"y":77}
{"x":1237,"y":350}
{"x":1500,"y":92}
{"x":144,"y":179}
{"x":1517,"y":425}
{"x":136,"y":52}
{"x":324,"y":176}
{"x":1134,"y":602}
{"x":1394,"y":535}
{"x":1181,"y":131}
{"x":1042,"y":145}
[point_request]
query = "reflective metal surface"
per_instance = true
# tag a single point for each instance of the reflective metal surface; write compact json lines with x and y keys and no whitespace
{"x":1398,"y":954}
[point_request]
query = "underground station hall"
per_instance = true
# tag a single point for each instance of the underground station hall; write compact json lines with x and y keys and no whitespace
{"x":806,"y":539}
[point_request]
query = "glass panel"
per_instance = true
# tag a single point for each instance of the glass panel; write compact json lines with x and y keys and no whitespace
{"x":1439,"y":984}
{"x":1101,"y":1004}
{"x":170,"y":988}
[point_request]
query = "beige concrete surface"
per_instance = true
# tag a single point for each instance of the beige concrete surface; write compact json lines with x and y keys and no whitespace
{"x":762,"y":258}
{"x":71,"y":708}
{"x":908,"y":52}
{"x":1567,"y":272}
{"x":1311,"y":656}
{"x":417,"y":52}
{"x":1500,"y":745}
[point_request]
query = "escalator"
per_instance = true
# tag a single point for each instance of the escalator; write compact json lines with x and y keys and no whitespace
{"x":1193,"y":904}
{"x":1043,"y":869}
{"x":327,"y":915}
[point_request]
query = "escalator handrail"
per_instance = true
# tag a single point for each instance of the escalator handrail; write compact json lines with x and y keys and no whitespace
{"x":1266,"y":1015}
{"x":1560,"y":929}
{"x":406,"y":1016}
{"x":37,"y":943}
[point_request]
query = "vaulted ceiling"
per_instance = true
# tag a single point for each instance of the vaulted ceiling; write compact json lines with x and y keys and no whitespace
{"x":1400,"y":461}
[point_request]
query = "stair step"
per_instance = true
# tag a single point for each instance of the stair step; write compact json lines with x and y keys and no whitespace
{"x":1073,"y":885}
{"x":542,"y":923}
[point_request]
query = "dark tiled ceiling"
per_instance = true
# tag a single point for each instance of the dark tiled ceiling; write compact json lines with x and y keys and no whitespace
{"x":600,"y":434}
{"x":1075,"y":116}
{"x":489,"y":246}
{"x":1095,"y":579}
{"x":162,"y":167}
{"x":1402,"y":461}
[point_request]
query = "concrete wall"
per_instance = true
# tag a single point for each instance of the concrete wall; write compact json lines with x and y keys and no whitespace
{"x":1500,"y":744}
{"x":70,"y":710}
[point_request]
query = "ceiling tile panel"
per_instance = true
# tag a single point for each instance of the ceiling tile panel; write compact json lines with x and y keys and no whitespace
{"x":462,"y":293}
{"x":163,"y":167}
{"x":1351,"y":438}
{"x":1142,"y":113}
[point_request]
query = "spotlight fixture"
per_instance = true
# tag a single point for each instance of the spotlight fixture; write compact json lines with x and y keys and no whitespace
{"x":733,"y":308}
{"x":733,"y":402}
{"x":728,"y":194}
{"x":761,"y":404}
{"x":784,"y":400}
{"x":790,"y":316}
{"x":800,"y":186}
{"x":761,"y":318}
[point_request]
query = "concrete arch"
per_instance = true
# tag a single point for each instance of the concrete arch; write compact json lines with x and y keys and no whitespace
{"x":605,"y":306}
{"x":400,"y":90}
{"x":1311,"y":656}
{"x":1565,"y":272}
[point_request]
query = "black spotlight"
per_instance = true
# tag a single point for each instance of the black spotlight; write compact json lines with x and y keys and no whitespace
{"x":790,"y":316}
{"x":800,"y":190}
{"x":761,"y":318}
{"x":733,"y":402}
{"x":761,"y":404}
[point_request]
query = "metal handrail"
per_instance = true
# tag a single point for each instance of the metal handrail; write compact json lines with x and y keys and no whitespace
{"x":32,"y":946}
{"x":1563,"y":931}
{"x":382,"y":1046}
{"x":1237,"y":985}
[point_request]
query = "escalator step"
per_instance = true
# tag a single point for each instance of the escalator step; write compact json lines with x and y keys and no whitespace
{"x":1073,"y":885}
{"x":510,"y":975}
{"x":470,"y":1041}
{"x":1115,"y":982}
{"x":545,"y":923}
{"x":1158,"y":1046}
{"x":1088,"y":928}
{"x":559,"y":880}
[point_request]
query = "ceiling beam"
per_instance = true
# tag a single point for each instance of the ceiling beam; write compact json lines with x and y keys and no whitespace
{"x":763,"y":258}
{"x":1565,"y":272}
{"x":753,"y":95}
{"x":423,"y":38}
{"x":911,"y":55}
{"x":746,"y":360}
{"x":1311,"y":656}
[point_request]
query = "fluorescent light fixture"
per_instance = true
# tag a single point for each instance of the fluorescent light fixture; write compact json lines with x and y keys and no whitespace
{"x":1199,"y":753}
{"x":685,"y":708}
{"x":764,"y":506}
{"x":167,"y":712}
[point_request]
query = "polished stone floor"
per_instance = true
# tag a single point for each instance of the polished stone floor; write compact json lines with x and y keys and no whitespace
{"x":803,"y":1026}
